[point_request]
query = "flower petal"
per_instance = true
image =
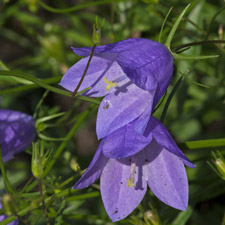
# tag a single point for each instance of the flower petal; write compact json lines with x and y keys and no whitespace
{"x":149,"y":66}
{"x":119,"y":199}
{"x":163,"y":137}
{"x":116,"y":47}
{"x":125,"y":142}
{"x":17,"y":131}
{"x":120,"y":108}
{"x":100,"y":67}
{"x":147,"y":63}
{"x":94,"y":169}
{"x":167,"y":176}
{"x":142,"y":121}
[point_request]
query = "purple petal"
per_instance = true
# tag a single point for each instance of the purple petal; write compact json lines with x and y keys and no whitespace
{"x":125,"y":142}
{"x":119,"y":199}
{"x":166,"y":176}
{"x":163,"y":137}
{"x":116,"y":47}
{"x":147,"y":63}
{"x":101,"y":66}
{"x":17,"y":131}
{"x":142,"y":121}
{"x":94,"y":169}
{"x":120,"y":108}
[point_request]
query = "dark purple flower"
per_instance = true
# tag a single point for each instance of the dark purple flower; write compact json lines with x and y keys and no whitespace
{"x":154,"y":159}
{"x":133,"y":74}
{"x":17,"y":131}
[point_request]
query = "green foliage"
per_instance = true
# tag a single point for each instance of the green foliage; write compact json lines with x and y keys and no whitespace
{"x":35,"y":39}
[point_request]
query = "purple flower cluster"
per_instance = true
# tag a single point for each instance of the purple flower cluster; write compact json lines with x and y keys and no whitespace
{"x":17,"y":131}
{"x":136,"y":149}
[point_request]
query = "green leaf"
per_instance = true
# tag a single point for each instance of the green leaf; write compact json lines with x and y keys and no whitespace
{"x":211,"y":143}
{"x":76,"y":7}
{"x":174,"y":28}
{"x":183,"y":217}
{"x":40,"y":83}
{"x":193,"y":57}
{"x":162,"y":27}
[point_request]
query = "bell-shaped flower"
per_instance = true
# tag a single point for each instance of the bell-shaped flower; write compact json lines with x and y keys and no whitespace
{"x":17,"y":131}
{"x":127,"y":162}
{"x":132,"y":75}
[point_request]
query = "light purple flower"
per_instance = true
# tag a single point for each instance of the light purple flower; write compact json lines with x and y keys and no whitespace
{"x":153,"y":159}
{"x":132,"y":75}
{"x":17,"y":131}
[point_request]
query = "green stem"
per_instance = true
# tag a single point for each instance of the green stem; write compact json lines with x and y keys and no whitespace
{"x":6,"y":180}
{"x":45,"y":85}
{"x":199,"y":43}
{"x":68,"y":137}
{"x":211,"y":143}
{"x":77,"y":7}
{"x":170,"y":98}
{"x":43,"y":202}
{"x":85,"y":71}
{"x":213,"y":19}
{"x":162,"y":27}
{"x":62,"y":146}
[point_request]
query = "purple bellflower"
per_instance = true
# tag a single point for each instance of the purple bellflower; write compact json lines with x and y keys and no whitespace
{"x":127,"y":161}
{"x":132,"y":75}
{"x":17,"y":131}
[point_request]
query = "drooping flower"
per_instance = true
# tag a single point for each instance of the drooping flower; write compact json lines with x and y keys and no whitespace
{"x":127,"y":161}
{"x":132,"y":75}
{"x":17,"y":131}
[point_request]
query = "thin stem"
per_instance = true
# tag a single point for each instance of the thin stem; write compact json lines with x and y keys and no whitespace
{"x":162,"y":27}
{"x":213,"y":19}
{"x":68,"y":137}
{"x":170,"y":98}
{"x":199,"y":43}
{"x":6,"y":180}
{"x":43,"y":201}
{"x":77,"y":7}
{"x":85,"y":71}
{"x":42,"y":84}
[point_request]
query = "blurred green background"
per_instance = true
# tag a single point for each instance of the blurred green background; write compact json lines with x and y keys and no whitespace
{"x":35,"y":39}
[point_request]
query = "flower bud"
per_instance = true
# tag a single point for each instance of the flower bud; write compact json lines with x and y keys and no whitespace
{"x":152,"y":218}
{"x":218,"y":164}
{"x":74,"y":165}
{"x":96,"y":36}
{"x":8,"y":205}
{"x":36,"y":165}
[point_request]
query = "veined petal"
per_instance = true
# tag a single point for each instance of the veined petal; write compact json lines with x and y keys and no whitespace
{"x":142,"y":121}
{"x":166,"y":176}
{"x":94,"y":169}
{"x":17,"y":131}
{"x":149,"y":66}
{"x":147,"y":63}
{"x":163,"y":137}
{"x":124,"y":142}
{"x":116,"y":47}
{"x":120,"y":108}
{"x":101,"y":66}
{"x":119,"y":199}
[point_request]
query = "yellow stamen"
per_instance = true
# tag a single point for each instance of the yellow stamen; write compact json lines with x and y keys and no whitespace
{"x":109,"y":84}
{"x":130,"y":180}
